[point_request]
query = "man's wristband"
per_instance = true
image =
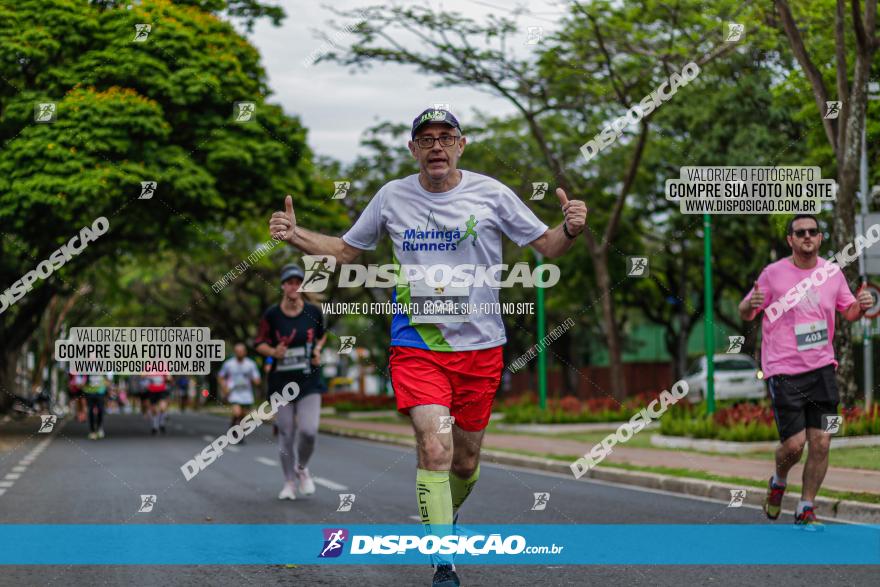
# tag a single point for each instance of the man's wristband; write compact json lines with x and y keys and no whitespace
{"x":568,"y":234}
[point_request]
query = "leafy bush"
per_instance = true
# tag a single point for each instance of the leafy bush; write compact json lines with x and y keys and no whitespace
{"x":746,"y":422}
{"x":569,"y":410}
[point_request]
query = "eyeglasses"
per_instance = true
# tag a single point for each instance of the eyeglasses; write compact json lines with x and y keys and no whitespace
{"x":445,"y":141}
{"x":803,"y":231}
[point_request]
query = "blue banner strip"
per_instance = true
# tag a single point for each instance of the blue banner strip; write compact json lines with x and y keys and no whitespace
{"x":581,"y":544}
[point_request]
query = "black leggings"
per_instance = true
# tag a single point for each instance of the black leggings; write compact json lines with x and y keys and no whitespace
{"x":95,"y":403}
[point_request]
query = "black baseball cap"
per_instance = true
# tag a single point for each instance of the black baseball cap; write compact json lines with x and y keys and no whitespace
{"x":434,"y":115}
{"x":291,"y":270}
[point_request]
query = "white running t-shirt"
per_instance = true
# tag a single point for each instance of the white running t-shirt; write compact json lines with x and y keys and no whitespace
{"x":461,"y":226}
{"x":239,"y":376}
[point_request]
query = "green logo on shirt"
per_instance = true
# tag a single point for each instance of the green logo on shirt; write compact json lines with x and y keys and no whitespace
{"x":470,"y":231}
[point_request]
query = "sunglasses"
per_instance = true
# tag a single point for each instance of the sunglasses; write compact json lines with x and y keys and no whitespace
{"x":800,"y":233}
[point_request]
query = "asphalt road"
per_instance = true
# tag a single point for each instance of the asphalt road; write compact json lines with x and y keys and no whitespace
{"x":74,"y":480}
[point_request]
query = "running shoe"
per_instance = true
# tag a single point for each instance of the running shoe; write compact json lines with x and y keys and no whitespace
{"x":445,"y":576}
{"x":100,"y":433}
{"x":162,"y":429}
{"x":287,"y":492}
{"x":306,"y":485}
{"x":773,"y":502}
{"x":154,"y":432}
{"x":808,"y":521}
{"x":93,"y":436}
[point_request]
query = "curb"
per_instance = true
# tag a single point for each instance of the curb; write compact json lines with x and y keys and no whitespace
{"x":832,"y":509}
{"x":729,"y":447}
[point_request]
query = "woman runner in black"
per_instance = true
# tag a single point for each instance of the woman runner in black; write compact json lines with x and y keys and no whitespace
{"x":292,"y":332}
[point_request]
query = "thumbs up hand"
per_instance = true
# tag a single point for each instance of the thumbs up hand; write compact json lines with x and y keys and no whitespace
{"x":865,"y":299}
{"x":575,"y":212}
{"x":283,"y":224}
{"x":757,"y":299}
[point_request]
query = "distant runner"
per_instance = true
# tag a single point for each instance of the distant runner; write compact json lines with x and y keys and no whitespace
{"x":158,"y":391}
{"x":292,"y":332}
{"x":798,"y":359}
{"x":446,"y":364}
{"x":75,"y":385}
{"x":237,"y":377}
{"x":95,"y":392}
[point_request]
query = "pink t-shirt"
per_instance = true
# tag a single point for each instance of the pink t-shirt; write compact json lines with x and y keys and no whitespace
{"x":800,"y":338}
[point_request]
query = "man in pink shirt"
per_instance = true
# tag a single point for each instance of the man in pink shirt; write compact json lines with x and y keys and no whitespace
{"x":799,"y":295}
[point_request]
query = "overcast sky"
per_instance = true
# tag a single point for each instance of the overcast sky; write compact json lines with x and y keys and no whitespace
{"x":337,"y":106}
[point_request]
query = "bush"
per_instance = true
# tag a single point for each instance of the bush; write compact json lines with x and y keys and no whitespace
{"x":745,"y":422}
{"x":568,"y":410}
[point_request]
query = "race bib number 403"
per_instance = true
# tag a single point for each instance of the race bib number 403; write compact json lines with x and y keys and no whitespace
{"x":811,"y":335}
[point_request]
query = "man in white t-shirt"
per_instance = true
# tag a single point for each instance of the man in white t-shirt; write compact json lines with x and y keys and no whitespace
{"x":447,"y":363}
{"x":237,"y":378}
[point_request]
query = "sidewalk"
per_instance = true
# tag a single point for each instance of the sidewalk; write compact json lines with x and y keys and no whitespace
{"x":838,"y":478}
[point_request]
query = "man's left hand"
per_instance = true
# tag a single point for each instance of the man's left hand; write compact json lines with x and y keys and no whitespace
{"x":864,"y":297}
{"x":575,"y":212}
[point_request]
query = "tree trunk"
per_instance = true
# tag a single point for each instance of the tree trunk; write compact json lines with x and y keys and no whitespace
{"x":849,"y":155}
{"x":8,"y":360}
{"x":609,"y":324}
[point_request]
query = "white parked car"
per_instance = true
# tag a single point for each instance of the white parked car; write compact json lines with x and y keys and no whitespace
{"x":736,"y":377}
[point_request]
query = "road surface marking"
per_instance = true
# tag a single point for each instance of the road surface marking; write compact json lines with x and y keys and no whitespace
{"x":233,"y":448}
{"x":10,"y":478}
{"x":265,"y":461}
{"x":207,"y":438}
{"x":416,"y":518}
{"x":331,"y":485}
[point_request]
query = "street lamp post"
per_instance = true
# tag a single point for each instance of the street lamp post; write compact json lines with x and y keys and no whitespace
{"x":709,"y":315}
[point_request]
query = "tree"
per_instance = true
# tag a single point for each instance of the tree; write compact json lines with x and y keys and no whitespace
{"x":127,"y":112}
{"x":844,"y":133}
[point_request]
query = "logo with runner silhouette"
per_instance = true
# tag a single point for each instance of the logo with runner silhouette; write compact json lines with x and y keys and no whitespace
{"x":541,"y":500}
{"x":470,"y":230}
{"x":736,"y":343}
{"x":47,"y":424}
{"x":147,"y":503}
{"x":141,"y":32}
{"x":148,"y":188}
{"x":346,"y":344}
{"x":318,"y":269}
{"x":346,"y":500}
{"x":334,"y":542}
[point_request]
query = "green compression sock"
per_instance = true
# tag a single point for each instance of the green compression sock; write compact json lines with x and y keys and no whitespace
{"x":435,"y":498}
{"x":461,"y":488}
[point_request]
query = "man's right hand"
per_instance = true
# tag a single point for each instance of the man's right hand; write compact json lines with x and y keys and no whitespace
{"x":280,"y":350}
{"x":757,"y":299}
{"x":283,"y":224}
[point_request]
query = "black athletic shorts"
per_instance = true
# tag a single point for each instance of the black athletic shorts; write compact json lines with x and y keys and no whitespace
{"x":800,"y":401}
{"x":156,"y":396}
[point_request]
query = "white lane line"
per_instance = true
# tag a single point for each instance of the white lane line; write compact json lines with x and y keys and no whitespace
{"x":416,"y":518}
{"x":9,"y":479}
{"x":331,"y":485}
{"x":265,"y":461}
